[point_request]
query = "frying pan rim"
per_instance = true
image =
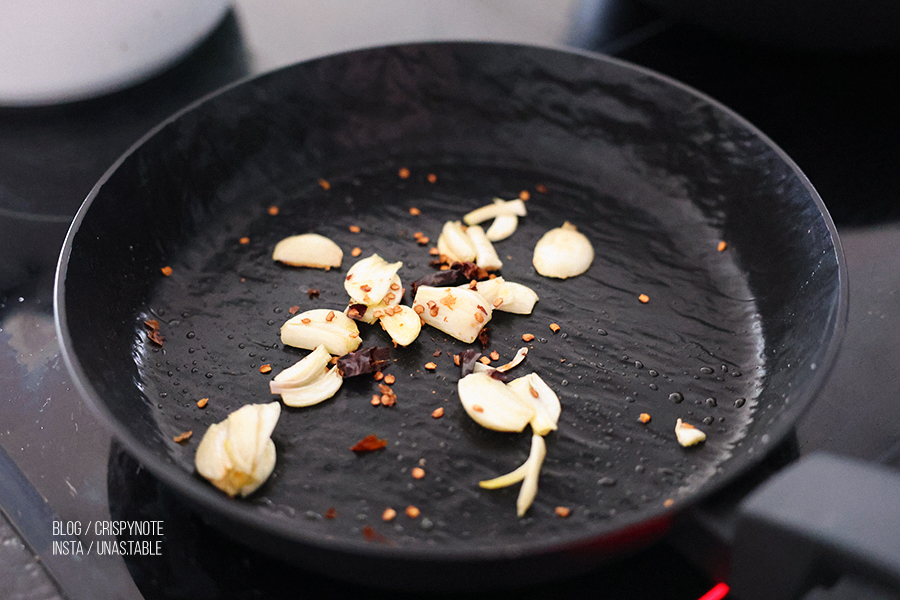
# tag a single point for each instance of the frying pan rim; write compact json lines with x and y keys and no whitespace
{"x":249,"y":516}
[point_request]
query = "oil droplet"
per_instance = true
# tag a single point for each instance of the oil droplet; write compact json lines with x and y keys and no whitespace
{"x":653,"y":373}
{"x":708,"y":421}
{"x":191,"y":335}
{"x":735,"y":373}
{"x":653,"y":387}
{"x":277,"y":310}
{"x":706,"y":370}
{"x":739,"y":402}
{"x":711,"y":401}
{"x":676,"y":397}
{"x":638,"y":364}
{"x":601,"y":332}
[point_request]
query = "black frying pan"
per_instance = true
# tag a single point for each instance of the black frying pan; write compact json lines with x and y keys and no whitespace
{"x":736,"y":342}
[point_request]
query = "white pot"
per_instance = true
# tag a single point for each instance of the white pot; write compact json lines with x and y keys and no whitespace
{"x":55,"y":51}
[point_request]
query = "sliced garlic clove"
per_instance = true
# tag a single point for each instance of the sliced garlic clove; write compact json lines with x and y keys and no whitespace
{"x":402,"y":324}
{"x":529,"y":488}
{"x":519,"y":299}
{"x":511,"y":478}
{"x":502,"y":227}
{"x":373,"y":311}
{"x":485,"y":254}
{"x":499,"y":208}
{"x":492,"y":404}
{"x":330,"y":328}
{"x":315,"y":391}
{"x":308,"y":250}
{"x":563,"y":252}
{"x":369,"y":280}
{"x":687,"y":434}
{"x":533,"y":390}
{"x":455,"y":244}
{"x":517,"y":359}
{"x":458,"y":312}
{"x":309,"y":369}
{"x":238,"y":455}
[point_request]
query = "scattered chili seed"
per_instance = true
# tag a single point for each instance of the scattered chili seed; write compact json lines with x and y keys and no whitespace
{"x":644,"y":298}
{"x":562,"y":511}
{"x":456,"y":359}
{"x":265,"y":369}
{"x":534,"y":393}
{"x":202,"y":402}
{"x":166,"y":271}
{"x":418,"y":473}
{"x":183,"y":437}
{"x":373,"y":536}
{"x":722,"y":246}
{"x":541,"y":188}
{"x":388,"y":514}
{"x":368,"y":444}
{"x":152,"y":324}
{"x":495,"y":355}
{"x":379,"y":376}
{"x":479,"y":317}
{"x":554,"y":327}
{"x":294,"y":310}
{"x":376,"y":399}
{"x":244,"y":240}
{"x":527,"y":337}
{"x":484,"y":360}
{"x":422,"y":240}
{"x":437,"y":353}
{"x":273,"y":210}
{"x":331,"y":513}
{"x":156,"y":337}
{"x":389,"y":379}
{"x":403,"y":173}
{"x":354,"y":229}
{"x":306,"y":320}
{"x":669,"y":502}
{"x":414,"y":211}
{"x":478,"y":408}
{"x":438,"y":412}
{"x":433,"y":251}
{"x":432,"y":178}
{"x":412,"y":512}
{"x":323,"y":183}
{"x":430,"y":366}
{"x":312,"y":293}
{"x":644,"y":418}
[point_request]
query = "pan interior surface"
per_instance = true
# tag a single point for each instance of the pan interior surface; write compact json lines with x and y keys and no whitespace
{"x":732,"y":340}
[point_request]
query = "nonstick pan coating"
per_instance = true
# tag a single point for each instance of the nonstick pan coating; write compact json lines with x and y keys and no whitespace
{"x":734,"y":341}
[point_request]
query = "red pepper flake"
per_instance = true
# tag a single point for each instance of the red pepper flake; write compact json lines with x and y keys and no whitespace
{"x":495,"y":355}
{"x":183,"y":437}
{"x":244,"y":241}
{"x":438,"y":412}
{"x":644,"y":418}
{"x":456,"y":359}
{"x":330,"y":316}
{"x":306,"y":320}
{"x":485,"y":360}
{"x":167,"y":270}
{"x":156,"y":337}
{"x":541,"y":188}
{"x":388,"y":514}
{"x":265,"y":369}
{"x":554,"y":327}
{"x":434,"y":251}
{"x":312,"y":293}
{"x":722,"y":246}
{"x":378,"y":376}
{"x":403,"y":173}
{"x":412,"y":512}
{"x":432,"y":178}
{"x":368,"y":444}
{"x":356,"y":251}
{"x":524,"y":195}
{"x":273,"y":210}
{"x":294,"y":310}
{"x":527,"y":337}
{"x":562,"y":511}
{"x":389,"y":379}
{"x":414,"y":211}
{"x":644,"y":298}
{"x":202,"y":402}
{"x":478,"y":408}
{"x":418,"y":473}
{"x":484,"y":336}
{"x":354,"y":229}
{"x":151,"y":324}
{"x":331,"y":513}
{"x":323,"y":183}
{"x":669,"y":502}
{"x":376,"y":400}
{"x":430,"y":366}
{"x":373,"y":536}
{"x":436,"y":353}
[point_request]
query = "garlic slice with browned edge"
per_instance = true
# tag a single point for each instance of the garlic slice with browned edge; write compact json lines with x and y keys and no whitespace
{"x":499,"y":208}
{"x":330,"y":328}
{"x":402,"y":324}
{"x":532,"y":389}
{"x":492,"y":404}
{"x":687,"y":434}
{"x":563,"y":252}
{"x":238,"y":455}
{"x":308,"y":250}
{"x":458,"y":312}
{"x":374,"y":311}
{"x":485,"y":255}
{"x":369,"y":280}
{"x":309,"y":381}
{"x":506,"y":296}
{"x":455,"y":243}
